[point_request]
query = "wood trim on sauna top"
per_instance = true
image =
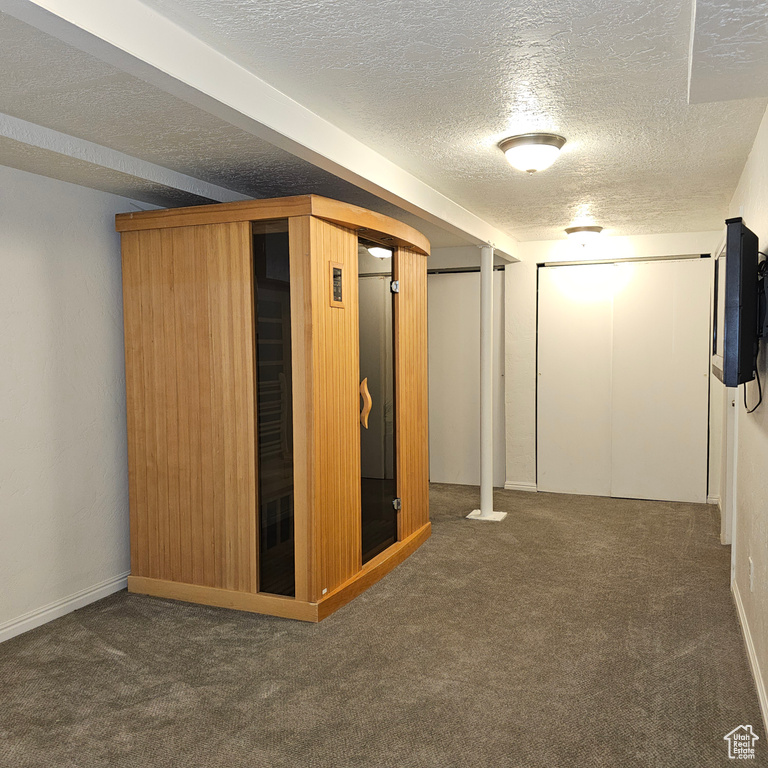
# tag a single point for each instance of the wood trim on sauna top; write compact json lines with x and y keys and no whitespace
{"x":369,"y":224}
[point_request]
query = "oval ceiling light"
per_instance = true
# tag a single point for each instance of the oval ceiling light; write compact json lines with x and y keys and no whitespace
{"x":583,"y":235}
{"x":379,"y":252}
{"x":532,"y":152}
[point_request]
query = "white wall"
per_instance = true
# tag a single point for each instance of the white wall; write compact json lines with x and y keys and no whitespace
{"x":630,"y":247}
{"x":460,"y":256}
{"x":716,"y":436}
{"x":719,"y":412}
{"x":520,"y":374}
{"x":454,"y":378}
{"x":520,"y":313}
{"x":63,"y":467}
{"x":751,"y":515}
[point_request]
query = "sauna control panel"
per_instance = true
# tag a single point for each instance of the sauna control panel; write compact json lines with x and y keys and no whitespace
{"x":337,"y":284}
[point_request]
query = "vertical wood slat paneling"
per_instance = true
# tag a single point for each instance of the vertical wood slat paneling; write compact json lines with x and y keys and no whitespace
{"x":150,"y":308}
{"x":182,"y":350}
{"x":244,"y":326}
{"x":205,"y":409}
{"x":336,"y":440}
{"x":168,"y":421}
{"x":192,"y":394}
{"x":302,"y":363}
{"x":135,"y":400}
{"x":412,"y":391}
{"x":188,"y":305}
{"x":211,"y":279}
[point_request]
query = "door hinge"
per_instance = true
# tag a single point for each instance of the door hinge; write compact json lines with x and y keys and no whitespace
{"x":394,"y":286}
{"x":397,"y":504}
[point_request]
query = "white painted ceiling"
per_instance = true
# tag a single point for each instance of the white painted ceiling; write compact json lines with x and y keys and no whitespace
{"x":51,"y":84}
{"x":431,"y":86}
{"x":729,"y":50}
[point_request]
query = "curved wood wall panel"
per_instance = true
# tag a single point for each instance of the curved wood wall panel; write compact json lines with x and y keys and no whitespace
{"x":412,"y":391}
{"x":189,"y":347}
{"x":335,"y":514}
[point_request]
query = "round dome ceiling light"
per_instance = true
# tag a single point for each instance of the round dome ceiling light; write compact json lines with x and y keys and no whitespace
{"x":531,"y":152}
{"x":583,"y":235}
{"x":379,"y":252}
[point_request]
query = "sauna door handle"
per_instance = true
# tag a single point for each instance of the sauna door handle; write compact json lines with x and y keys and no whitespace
{"x":367,"y":402}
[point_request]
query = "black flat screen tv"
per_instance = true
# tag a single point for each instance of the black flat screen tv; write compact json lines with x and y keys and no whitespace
{"x":736,"y":306}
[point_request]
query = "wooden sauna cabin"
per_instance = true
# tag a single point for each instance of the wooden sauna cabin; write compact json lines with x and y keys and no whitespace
{"x":276,"y":379}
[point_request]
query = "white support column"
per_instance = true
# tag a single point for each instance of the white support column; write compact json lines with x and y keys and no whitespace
{"x":486,"y":390}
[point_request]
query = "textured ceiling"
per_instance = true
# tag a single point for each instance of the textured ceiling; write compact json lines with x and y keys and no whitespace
{"x":54,"y":85}
{"x":433,"y":87}
{"x":15,"y":154}
{"x":729,"y":50}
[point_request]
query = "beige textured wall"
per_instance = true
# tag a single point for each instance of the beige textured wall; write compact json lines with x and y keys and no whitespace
{"x":63,"y":468}
{"x":751,"y":519}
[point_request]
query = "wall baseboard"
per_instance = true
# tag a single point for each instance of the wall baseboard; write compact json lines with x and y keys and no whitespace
{"x":713,"y":500}
{"x":66,"y":605}
{"x":752,"y":655}
{"x":530,"y":487}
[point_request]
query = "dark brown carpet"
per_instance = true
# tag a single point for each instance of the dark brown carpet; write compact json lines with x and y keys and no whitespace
{"x":579,"y":632}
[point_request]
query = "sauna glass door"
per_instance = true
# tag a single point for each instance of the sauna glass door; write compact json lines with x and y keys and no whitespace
{"x":377,"y":402}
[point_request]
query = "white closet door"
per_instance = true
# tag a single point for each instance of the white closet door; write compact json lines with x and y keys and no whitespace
{"x":661,"y":382}
{"x":623,"y":379}
{"x":574,"y":379}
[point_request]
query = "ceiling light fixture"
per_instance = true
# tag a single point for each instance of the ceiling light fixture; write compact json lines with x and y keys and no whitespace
{"x":532,"y":152}
{"x":379,"y":252}
{"x":583,"y":235}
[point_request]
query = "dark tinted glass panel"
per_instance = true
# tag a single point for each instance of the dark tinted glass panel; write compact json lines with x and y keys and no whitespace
{"x":377,"y":440}
{"x":274,"y":408}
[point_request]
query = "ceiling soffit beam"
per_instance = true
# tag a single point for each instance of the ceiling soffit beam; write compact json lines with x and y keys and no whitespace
{"x":141,"y":42}
{"x":47,"y":139}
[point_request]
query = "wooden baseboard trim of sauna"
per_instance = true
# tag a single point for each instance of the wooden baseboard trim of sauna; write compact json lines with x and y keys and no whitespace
{"x":272,"y":605}
{"x":372,"y":571}
{"x":286,"y":607}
